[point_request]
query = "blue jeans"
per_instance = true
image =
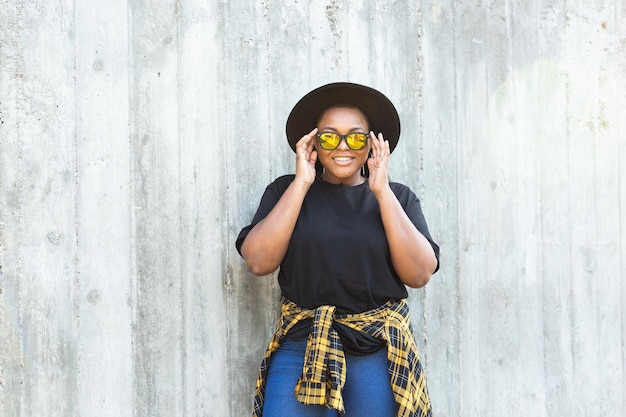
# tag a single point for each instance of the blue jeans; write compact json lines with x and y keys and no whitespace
{"x":367,"y":391}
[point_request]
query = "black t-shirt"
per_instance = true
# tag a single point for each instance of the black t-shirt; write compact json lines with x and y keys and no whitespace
{"x":338,"y":253}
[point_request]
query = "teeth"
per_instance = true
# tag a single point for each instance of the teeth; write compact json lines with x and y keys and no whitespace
{"x":342,"y":159}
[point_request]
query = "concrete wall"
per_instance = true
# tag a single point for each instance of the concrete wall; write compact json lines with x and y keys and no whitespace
{"x":136,"y":138}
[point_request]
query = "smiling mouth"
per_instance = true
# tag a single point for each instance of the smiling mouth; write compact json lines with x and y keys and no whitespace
{"x":342,"y":158}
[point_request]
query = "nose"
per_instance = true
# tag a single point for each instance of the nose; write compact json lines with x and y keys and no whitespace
{"x":343,"y":144}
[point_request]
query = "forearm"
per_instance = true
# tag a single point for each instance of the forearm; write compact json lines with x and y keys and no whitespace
{"x":266,"y":245}
{"x":412,"y":255}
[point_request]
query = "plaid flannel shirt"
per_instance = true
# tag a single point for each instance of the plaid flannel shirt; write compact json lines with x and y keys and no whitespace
{"x":324,"y":371}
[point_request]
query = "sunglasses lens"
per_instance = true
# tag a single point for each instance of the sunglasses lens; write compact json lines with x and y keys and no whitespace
{"x":329,"y":141}
{"x":356,"y":141}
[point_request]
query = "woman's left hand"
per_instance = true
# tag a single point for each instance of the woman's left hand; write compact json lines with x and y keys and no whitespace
{"x":377,"y":163}
{"x":412,"y":255}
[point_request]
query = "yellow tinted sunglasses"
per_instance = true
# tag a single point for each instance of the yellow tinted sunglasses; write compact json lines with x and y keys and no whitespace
{"x":330,"y":141}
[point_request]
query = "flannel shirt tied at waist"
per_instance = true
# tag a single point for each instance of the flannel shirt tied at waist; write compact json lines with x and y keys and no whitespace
{"x":324,"y":371}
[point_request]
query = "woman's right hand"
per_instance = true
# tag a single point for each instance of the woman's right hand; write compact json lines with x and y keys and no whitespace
{"x":266,"y":245}
{"x":306,"y":155}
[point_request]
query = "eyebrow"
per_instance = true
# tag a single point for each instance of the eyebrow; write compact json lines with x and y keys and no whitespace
{"x":357,"y":129}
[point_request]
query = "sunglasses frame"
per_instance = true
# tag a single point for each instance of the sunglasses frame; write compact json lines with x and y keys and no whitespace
{"x":342,"y":138}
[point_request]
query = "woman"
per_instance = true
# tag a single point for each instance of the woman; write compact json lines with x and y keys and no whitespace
{"x":347,"y":242}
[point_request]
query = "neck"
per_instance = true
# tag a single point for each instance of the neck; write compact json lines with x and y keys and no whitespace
{"x":353,"y":181}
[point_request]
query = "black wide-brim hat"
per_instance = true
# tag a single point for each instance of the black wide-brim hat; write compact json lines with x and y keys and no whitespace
{"x":380,"y":111}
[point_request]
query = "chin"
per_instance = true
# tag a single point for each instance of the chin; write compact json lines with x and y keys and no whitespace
{"x":345,"y":175}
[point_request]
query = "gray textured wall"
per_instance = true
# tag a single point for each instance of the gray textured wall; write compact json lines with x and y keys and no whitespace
{"x":136,"y":138}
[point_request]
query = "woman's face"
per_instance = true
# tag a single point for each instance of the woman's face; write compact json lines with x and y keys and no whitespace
{"x":342,"y":164}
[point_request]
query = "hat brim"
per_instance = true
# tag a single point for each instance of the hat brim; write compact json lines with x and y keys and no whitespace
{"x":380,"y":111}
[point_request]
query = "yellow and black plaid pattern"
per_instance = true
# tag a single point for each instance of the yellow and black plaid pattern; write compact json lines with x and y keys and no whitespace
{"x":324,"y":371}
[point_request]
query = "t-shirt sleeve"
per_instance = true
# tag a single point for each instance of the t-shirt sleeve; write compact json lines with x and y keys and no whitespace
{"x":413,"y":209}
{"x":270,"y":197}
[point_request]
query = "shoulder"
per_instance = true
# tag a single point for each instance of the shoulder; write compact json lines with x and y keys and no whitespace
{"x":405,"y":195}
{"x":402,"y":192}
{"x":280,"y":184}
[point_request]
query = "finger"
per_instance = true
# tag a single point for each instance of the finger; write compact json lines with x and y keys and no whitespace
{"x":309,"y":136}
{"x":371,"y":164}
{"x":305,"y":145}
{"x":310,"y":140}
{"x":378,"y":148}
{"x":383,"y":145}
{"x":375,"y":145}
{"x":306,"y":139}
{"x":373,"y":138}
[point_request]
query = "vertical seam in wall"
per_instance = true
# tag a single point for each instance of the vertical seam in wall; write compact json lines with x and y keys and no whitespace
{"x":620,"y":181}
{"x":131,"y":207}
{"x":540,"y":248}
{"x":570,"y":313}
{"x":420,"y":128}
{"x":568,"y":306}
{"x":18,"y":192}
{"x":621,"y":150}
{"x":269,"y":77}
{"x":347,"y":53}
{"x":77,"y":184}
{"x":457,"y":268}
{"x":181,"y":229}
{"x":622,"y":249}
{"x":227,"y":280}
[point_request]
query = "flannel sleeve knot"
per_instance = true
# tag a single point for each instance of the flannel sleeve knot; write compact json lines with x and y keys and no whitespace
{"x":324,"y":371}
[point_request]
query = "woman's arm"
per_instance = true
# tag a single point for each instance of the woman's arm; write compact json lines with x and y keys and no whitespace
{"x":266,"y":244}
{"x":412,"y":256}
